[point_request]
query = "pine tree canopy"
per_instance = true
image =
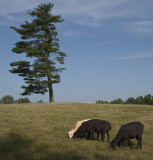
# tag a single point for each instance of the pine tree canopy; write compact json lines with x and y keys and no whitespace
{"x":40,"y":43}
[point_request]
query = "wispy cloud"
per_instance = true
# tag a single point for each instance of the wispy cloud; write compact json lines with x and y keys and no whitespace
{"x":15,"y":11}
{"x":96,"y":13}
{"x":133,"y":56}
{"x":88,"y":12}
{"x":140,"y":26}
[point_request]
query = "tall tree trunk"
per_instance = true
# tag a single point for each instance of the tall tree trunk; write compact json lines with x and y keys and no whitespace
{"x":51,"y":95}
{"x":50,"y":87}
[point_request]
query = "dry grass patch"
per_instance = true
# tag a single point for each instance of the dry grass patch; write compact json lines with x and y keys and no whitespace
{"x":39,"y":131}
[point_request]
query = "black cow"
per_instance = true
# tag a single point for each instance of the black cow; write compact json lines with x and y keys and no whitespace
{"x":128,"y":131}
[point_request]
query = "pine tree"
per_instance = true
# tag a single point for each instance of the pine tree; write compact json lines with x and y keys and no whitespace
{"x":40,"y":43}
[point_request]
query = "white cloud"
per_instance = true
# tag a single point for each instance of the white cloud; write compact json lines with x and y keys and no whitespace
{"x":15,"y":10}
{"x":94,"y":13}
{"x":140,"y":26}
{"x":133,"y":56}
{"x":87,"y":12}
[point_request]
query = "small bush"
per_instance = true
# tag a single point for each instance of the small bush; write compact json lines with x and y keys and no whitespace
{"x":40,"y":101}
{"x":8,"y":99}
{"x":117,"y":101}
{"x":23,"y":100}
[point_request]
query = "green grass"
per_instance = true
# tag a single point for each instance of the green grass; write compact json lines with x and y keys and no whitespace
{"x":39,"y":131}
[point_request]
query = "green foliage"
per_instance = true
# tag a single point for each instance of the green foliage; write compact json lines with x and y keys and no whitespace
{"x":39,"y":42}
{"x":23,"y":100}
{"x":147,"y":99}
{"x":117,"y":101}
{"x":140,"y":100}
{"x":130,"y":100}
{"x":8,"y":99}
{"x":40,"y":101}
{"x":102,"y":102}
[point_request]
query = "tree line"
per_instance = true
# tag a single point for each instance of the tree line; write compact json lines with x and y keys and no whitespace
{"x":8,"y":99}
{"x":147,"y":100}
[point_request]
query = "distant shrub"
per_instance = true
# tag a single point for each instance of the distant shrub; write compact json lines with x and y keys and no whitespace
{"x":130,"y":100}
{"x":147,"y":99}
{"x":8,"y":99}
{"x":40,"y":101}
{"x":117,"y":101}
{"x":102,"y":102}
{"x":140,"y":100}
{"x":23,"y":100}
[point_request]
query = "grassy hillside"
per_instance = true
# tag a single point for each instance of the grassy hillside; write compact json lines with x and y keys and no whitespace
{"x":39,"y":131}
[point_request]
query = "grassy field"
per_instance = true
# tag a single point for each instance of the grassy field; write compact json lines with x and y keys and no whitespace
{"x":39,"y":131}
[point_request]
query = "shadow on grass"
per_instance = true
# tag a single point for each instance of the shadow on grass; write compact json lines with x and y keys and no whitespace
{"x":15,"y":146}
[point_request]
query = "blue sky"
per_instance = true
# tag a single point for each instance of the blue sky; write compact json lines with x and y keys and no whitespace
{"x":109,"y":46}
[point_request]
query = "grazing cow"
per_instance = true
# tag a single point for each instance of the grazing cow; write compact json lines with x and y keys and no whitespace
{"x":94,"y":126}
{"x":78,"y":124}
{"x":129,"y":131}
